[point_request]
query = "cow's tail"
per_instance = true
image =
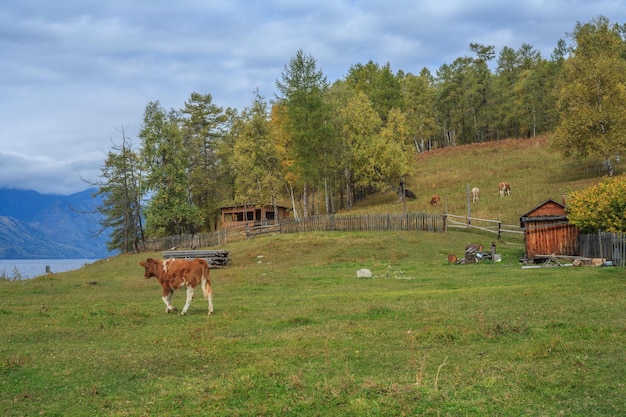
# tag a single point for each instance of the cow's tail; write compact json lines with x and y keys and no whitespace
{"x":206,"y":281}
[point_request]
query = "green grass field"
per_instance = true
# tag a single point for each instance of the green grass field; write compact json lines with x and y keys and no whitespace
{"x":296,"y":333}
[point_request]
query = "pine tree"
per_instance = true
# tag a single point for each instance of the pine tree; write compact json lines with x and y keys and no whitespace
{"x":203,"y":130}
{"x":121,"y":198}
{"x":170,"y":210}
{"x":303,"y":86}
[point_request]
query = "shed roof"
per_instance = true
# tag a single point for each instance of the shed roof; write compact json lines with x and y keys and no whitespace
{"x":549,"y":210}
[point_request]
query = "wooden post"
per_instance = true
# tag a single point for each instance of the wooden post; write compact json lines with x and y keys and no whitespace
{"x":469,"y":214}
{"x":403,"y":195}
{"x":600,"y":244}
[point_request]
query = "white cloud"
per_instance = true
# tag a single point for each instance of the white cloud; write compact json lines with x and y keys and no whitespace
{"x":74,"y":72}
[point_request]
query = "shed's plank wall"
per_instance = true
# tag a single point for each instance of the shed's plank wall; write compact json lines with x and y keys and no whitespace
{"x":545,"y":239}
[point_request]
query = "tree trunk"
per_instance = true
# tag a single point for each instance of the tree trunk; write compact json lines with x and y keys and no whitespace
{"x":348,"y":191}
{"x":293,"y":202}
{"x":305,"y":201}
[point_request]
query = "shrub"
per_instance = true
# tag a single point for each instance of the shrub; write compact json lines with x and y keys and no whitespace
{"x":600,"y":207}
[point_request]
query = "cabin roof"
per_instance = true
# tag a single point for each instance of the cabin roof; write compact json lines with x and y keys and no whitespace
{"x":548,"y":201}
{"x":249,"y":206}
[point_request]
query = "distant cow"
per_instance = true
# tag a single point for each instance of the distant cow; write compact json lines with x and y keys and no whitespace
{"x":434,"y":201}
{"x":174,"y":274}
{"x":505,"y":188}
{"x":475,"y":192}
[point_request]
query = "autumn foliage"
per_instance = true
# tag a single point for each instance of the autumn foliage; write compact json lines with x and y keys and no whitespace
{"x":600,"y":207}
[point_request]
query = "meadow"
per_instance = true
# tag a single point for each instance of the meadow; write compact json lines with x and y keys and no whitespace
{"x":296,"y":333}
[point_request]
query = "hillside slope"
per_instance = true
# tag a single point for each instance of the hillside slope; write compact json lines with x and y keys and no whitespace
{"x":535,"y":171}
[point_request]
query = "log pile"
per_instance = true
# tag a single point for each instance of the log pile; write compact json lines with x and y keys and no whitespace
{"x":215,"y":258}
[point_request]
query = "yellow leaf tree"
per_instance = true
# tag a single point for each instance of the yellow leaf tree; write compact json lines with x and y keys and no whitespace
{"x":592,"y":93}
{"x":600,"y":207}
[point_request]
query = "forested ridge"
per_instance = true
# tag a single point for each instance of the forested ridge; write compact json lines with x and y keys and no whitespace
{"x":318,"y":146}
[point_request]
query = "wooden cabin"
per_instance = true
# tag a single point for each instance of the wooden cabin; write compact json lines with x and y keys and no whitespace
{"x":547,"y":231}
{"x":250,"y":215}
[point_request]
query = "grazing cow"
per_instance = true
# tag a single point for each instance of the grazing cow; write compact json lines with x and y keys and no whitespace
{"x":475,"y":192}
{"x":434,"y":201}
{"x":174,"y":274}
{"x":505,"y":188}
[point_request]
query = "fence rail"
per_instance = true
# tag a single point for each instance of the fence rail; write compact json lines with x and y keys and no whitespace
{"x":486,"y":225}
{"x":263,"y":229}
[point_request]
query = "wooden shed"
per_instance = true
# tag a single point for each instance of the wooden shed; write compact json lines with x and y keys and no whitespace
{"x":250,"y":215}
{"x":547,"y":231}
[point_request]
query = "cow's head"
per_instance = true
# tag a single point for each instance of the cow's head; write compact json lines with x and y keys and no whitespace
{"x":151,"y":267}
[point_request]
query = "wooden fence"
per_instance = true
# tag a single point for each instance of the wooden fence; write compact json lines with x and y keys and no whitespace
{"x":370,"y":222}
{"x":187,"y":241}
{"x":351,"y":223}
{"x":610,"y":246}
{"x":262,"y":229}
{"x":438,"y":223}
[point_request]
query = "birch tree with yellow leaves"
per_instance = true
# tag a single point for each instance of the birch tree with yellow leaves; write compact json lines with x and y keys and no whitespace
{"x":592,"y":93}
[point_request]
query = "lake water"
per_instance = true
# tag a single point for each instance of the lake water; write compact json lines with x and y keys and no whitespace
{"x":31,"y":268}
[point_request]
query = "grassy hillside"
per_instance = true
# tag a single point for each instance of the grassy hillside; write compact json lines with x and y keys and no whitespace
{"x":535,"y":171}
{"x":296,"y":333}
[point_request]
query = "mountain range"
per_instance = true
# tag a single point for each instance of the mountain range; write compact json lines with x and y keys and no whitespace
{"x":50,"y":226}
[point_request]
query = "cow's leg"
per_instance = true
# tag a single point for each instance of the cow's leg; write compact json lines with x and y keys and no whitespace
{"x":210,"y":298}
{"x":188,"y":302}
{"x":208,"y":292}
{"x":167,"y":299}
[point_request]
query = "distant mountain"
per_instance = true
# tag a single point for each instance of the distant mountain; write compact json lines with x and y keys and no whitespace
{"x":39,"y":226}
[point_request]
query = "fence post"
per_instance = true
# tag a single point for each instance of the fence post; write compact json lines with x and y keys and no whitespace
{"x":600,"y":243}
{"x":469,"y":214}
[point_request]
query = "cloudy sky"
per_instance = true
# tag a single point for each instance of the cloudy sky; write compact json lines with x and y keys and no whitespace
{"x":73,"y":73}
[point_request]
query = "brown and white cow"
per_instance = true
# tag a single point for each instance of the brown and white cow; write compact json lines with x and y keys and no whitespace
{"x":174,"y":274}
{"x":505,"y":188}
{"x":475,"y":194}
{"x":434,"y":201}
